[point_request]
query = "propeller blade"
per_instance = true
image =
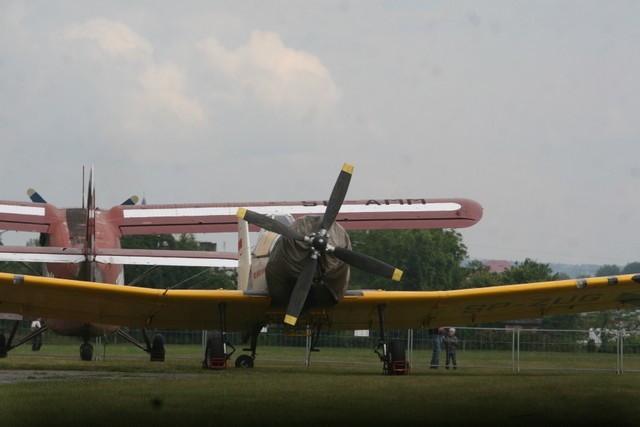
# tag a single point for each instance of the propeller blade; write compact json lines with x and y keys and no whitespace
{"x":337,"y":196}
{"x":367,"y":263}
{"x":35,"y":196}
{"x":268,"y":223}
{"x":130,"y":201}
{"x":300,"y":291}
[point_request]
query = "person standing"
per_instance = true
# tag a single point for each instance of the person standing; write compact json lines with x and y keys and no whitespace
{"x":37,"y":340}
{"x":436,"y":339}
{"x":450,"y":344}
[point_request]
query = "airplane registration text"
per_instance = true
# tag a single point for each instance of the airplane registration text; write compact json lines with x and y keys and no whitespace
{"x":535,"y":302}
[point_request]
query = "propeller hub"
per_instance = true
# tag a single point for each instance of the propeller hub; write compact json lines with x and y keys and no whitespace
{"x":319,"y":242}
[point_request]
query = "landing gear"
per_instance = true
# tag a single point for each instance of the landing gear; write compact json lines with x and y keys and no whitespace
{"x":393,"y":355}
{"x":86,"y":351}
{"x":244,"y":361}
{"x":156,"y":350}
{"x":398,"y":364}
{"x":156,"y":354}
{"x":215,"y":353}
{"x":3,"y":345}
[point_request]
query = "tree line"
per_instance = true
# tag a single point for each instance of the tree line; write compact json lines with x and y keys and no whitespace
{"x":430,"y":259}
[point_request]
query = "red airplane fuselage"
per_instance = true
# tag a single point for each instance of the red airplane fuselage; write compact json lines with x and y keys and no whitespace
{"x":69,"y":229}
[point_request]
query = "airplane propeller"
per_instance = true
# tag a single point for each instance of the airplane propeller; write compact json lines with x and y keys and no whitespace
{"x":319,"y":244}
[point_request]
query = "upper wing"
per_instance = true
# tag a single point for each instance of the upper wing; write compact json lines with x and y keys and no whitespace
{"x":354,"y":215}
{"x":31,"y":217}
{"x":221,"y":217}
{"x":198,"y":309}
{"x":48,"y":254}
{"x":33,"y":296}
{"x":358,"y":310}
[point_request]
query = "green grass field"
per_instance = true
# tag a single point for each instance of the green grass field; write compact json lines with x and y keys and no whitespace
{"x":340,"y":387}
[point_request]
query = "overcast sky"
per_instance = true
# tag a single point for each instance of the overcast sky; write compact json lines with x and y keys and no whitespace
{"x":531,"y":108}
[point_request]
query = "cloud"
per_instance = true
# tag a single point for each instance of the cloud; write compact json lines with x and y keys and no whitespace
{"x":114,"y":38}
{"x":293,"y":82}
{"x":163,"y":88}
{"x":12,"y":18}
{"x":150,"y":90}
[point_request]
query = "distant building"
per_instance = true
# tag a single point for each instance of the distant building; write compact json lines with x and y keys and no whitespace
{"x":498,"y":266}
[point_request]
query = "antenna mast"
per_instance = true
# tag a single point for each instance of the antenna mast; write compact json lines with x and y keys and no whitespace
{"x":82,"y":186}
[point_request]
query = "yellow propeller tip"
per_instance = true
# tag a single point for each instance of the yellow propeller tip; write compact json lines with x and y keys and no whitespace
{"x":241,"y":213}
{"x":397,"y":275}
{"x":290,"y":320}
{"x":347,"y":168}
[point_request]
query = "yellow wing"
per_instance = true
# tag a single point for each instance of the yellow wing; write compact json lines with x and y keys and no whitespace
{"x":198,"y":309}
{"x":358,"y":310}
{"x":128,"y":306}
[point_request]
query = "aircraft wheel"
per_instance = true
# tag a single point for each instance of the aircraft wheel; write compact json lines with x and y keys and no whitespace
{"x":3,"y":345}
{"x":157,"y":349}
{"x":397,"y":353}
{"x":86,"y":351}
{"x":244,"y":361}
{"x":214,"y":351}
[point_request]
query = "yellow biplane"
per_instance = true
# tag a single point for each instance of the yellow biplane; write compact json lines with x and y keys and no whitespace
{"x":296,"y":275}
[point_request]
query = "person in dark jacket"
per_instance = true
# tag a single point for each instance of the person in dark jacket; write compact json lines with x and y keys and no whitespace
{"x":436,"y":339}
{"x":450,"y":344}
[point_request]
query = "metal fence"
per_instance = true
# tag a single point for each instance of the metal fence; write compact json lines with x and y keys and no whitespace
{"x":520,"y":349}
{"x":512,"y":349}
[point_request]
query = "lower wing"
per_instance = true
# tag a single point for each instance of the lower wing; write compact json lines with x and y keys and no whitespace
{"x":34,"y":296}
{"x":198,"y":309}
{"x":358,"y":310}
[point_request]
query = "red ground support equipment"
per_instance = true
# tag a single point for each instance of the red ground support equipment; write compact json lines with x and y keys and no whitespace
{"x":400,"y":367}
{"x":218,"y":363}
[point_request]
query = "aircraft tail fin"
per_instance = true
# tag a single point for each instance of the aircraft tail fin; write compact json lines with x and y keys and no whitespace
{"x":244,"y":256}
{"x":90,"y":240}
